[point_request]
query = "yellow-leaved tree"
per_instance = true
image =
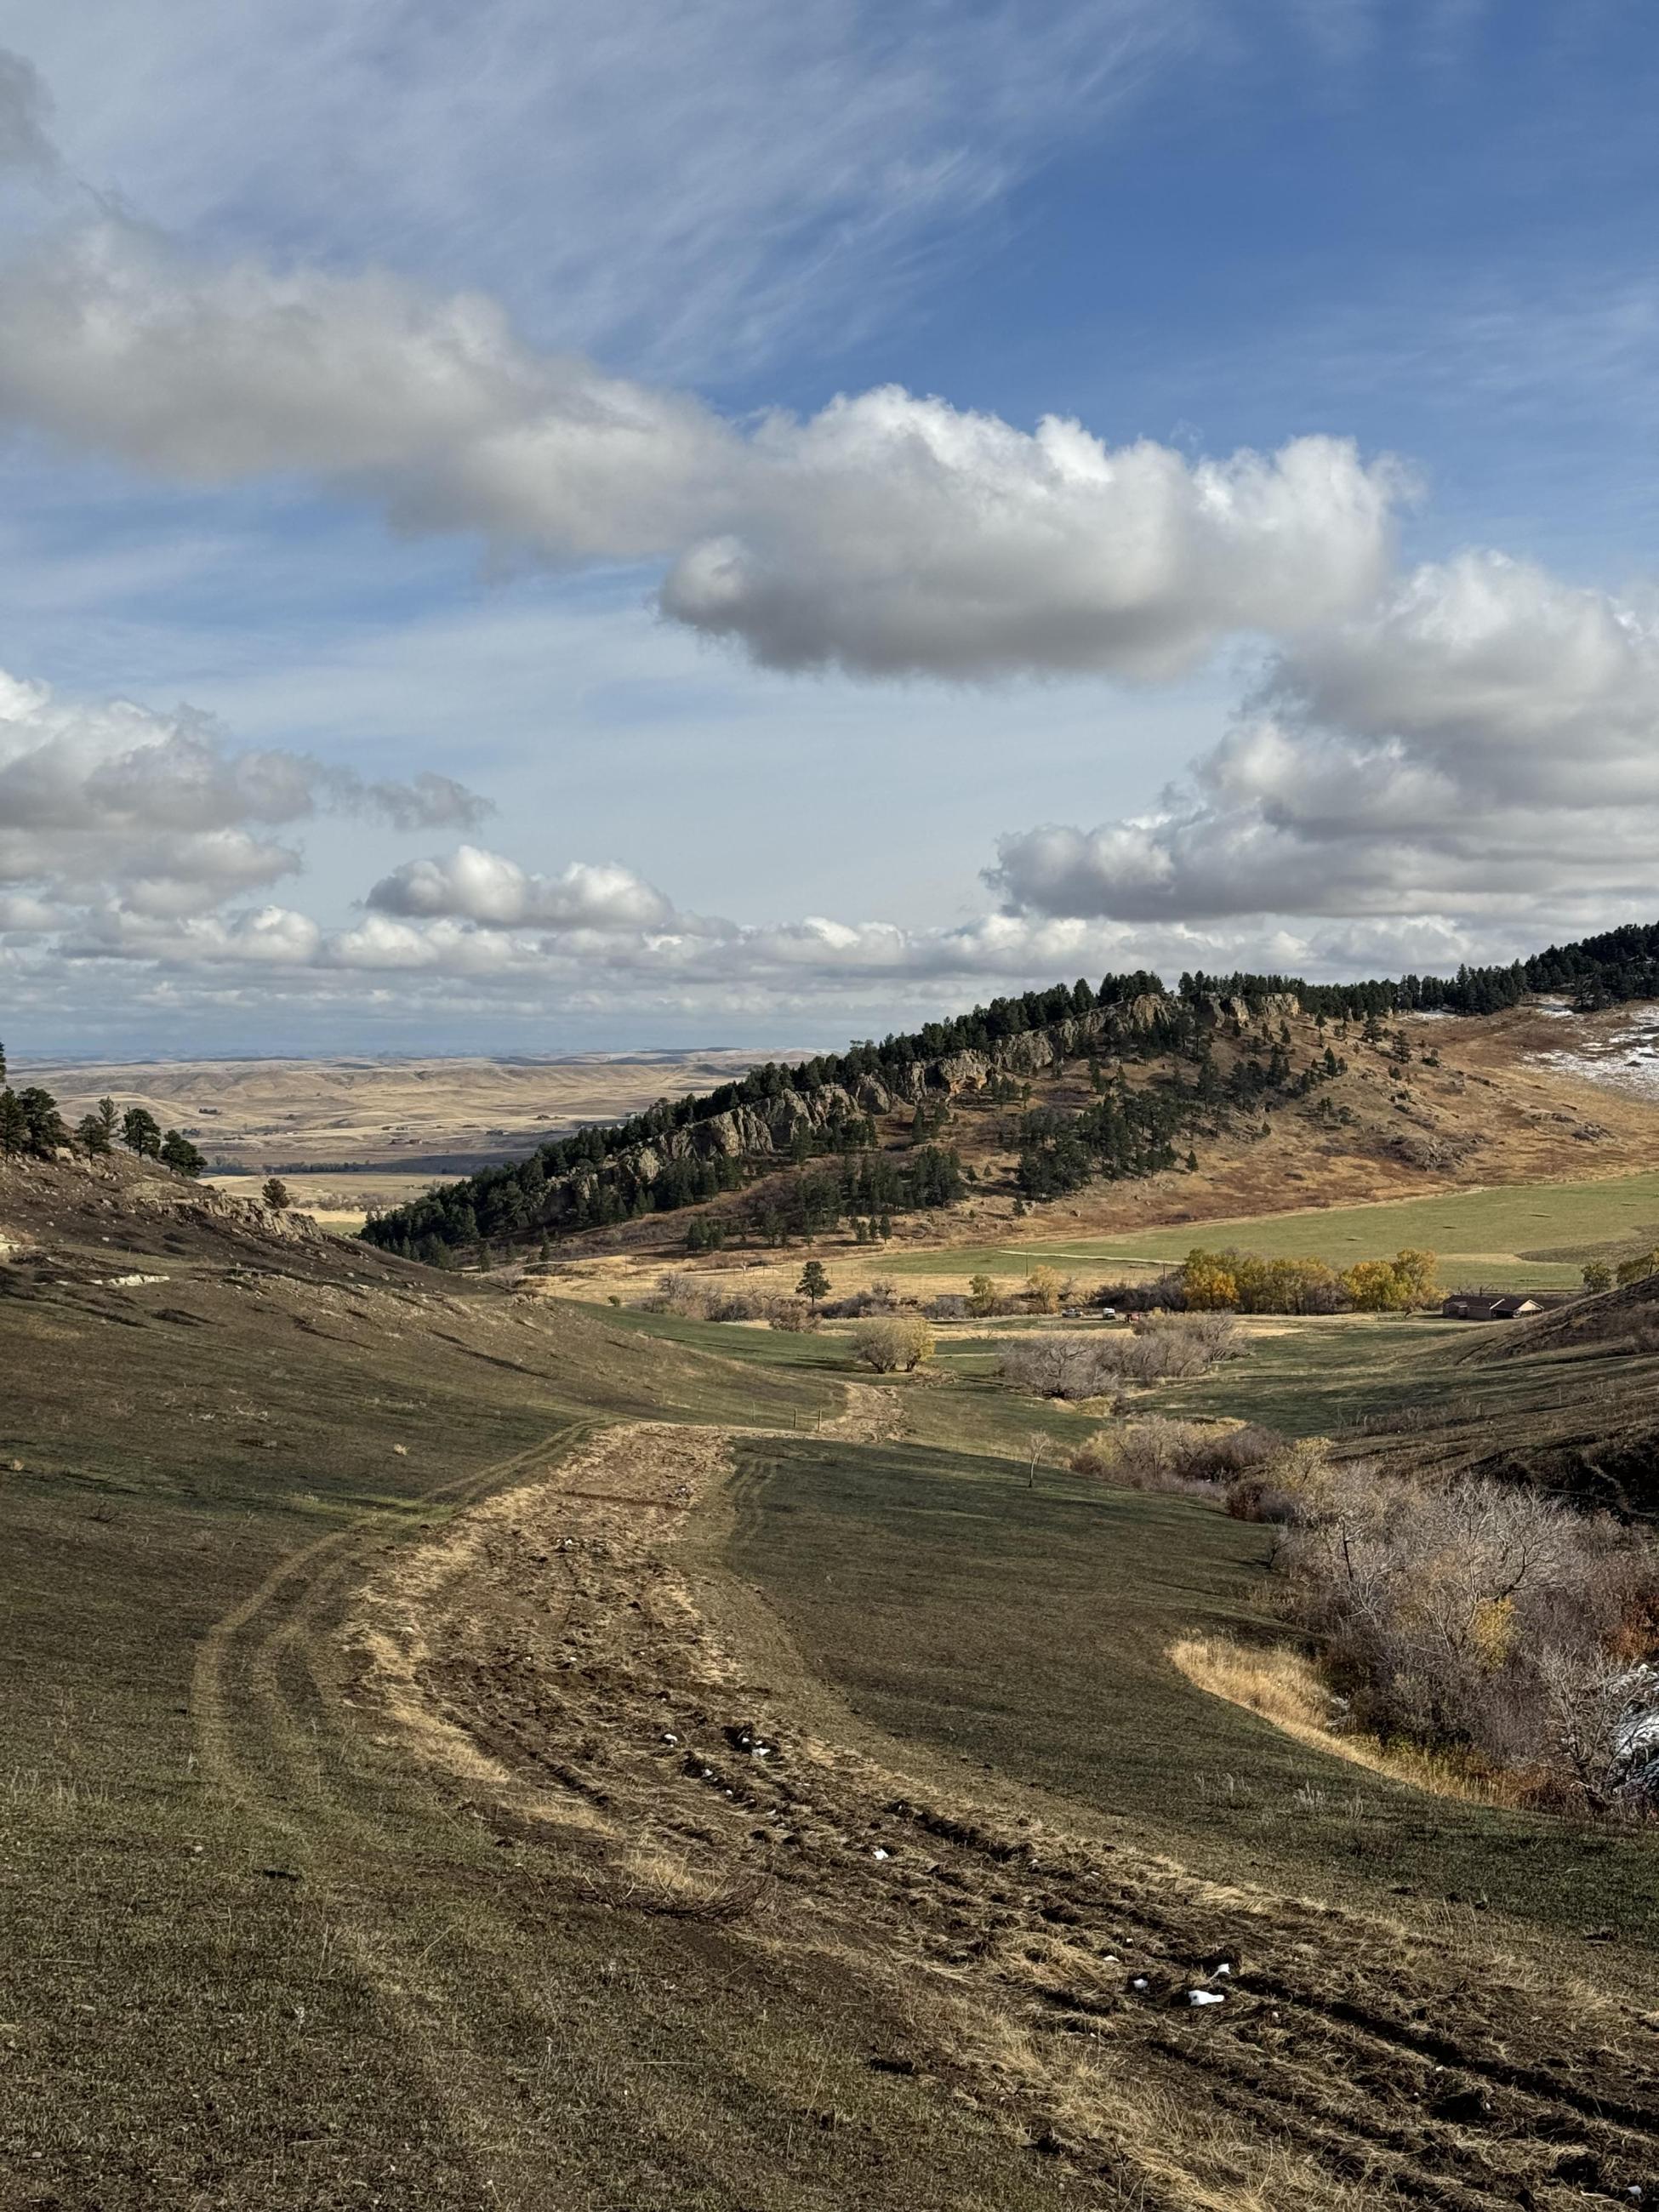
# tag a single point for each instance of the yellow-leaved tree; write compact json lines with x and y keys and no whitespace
{"x":1209,"y":1285}
{"x":1396,"y":1286}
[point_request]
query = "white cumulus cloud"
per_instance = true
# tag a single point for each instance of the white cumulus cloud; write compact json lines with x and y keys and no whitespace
{"x":1484,"y":741}
{"x":475,"y":885}
{"x":897,"y":536}
{"x":108,"y":804}
{"x":888,"y":535}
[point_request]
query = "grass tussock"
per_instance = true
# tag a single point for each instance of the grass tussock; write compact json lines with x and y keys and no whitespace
{"x":648,"y":1878}
{"x":1282,"y":1685}
{"x":26,"y":1790}
{"x":1161,"y":2149}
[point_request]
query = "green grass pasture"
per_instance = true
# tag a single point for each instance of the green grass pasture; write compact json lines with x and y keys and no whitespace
{"x":1026,"y":1631}
{"x":1481,"y":1236}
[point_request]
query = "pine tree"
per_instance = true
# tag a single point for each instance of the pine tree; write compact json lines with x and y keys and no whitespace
{"x":14,"y":1129}
{"x":814,"y":1284}
{"x":44,"y":1122}
{"x":141,"y":1132}
{"x":179,"y":1153}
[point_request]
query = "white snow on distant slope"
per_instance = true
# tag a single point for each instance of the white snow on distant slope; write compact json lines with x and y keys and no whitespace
{"x":1624,"y":1058}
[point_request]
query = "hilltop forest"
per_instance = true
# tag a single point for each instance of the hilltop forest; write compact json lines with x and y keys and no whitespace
{"x":1165,"y":1067}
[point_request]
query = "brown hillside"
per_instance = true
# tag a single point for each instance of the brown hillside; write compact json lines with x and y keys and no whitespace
{"x":1475,"y":1104}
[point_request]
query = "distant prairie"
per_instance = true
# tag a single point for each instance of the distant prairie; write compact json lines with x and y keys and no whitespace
{"x":351,"y":1132}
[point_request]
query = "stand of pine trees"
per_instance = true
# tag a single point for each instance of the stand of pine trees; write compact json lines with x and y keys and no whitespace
{"x":32,"y":1127}
{"x":1133,"y":1131}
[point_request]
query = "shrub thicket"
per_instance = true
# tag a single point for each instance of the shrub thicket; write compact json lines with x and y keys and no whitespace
{"x":1158,"y":1454}
{"x":897,"y":1344}
{"x":1230,"y":1281}
{"x":1158,"y":1348}
{"x":1484,"y":1619}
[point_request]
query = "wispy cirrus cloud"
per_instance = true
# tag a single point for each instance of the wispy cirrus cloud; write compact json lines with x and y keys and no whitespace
{"x":26,"y":146}
{"x":688,"y":188}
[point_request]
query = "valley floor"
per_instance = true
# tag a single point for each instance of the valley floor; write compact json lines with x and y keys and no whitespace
{"x":461,"y":1751}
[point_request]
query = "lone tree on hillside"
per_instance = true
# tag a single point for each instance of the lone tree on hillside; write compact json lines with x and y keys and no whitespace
{"x":278,"y":1197}
{"x":14,"y":1129}
{"x":141,"y":1132}
{"x":181,"y":1156}
{"x":814,"y":1284}
{"x":1597,"y":1276}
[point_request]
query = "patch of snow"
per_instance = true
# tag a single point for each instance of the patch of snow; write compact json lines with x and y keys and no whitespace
{"x":877,"y":1853}
{"x":1626,"y":1059}
{"x":1204,"y":1997}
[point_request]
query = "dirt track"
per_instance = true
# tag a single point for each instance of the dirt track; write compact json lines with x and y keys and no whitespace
{"x":571,"y":1653}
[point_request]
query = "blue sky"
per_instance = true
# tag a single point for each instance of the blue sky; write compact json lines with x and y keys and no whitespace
{"x":531,"y":526}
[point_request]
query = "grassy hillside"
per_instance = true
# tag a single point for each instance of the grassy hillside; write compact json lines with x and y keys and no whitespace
{"x":225,"y":1923}
{"x":1120,"y":1105}
{"x":1027,"y":1631}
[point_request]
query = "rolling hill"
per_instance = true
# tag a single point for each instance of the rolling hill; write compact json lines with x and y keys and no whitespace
{"x":1113,"y":1107}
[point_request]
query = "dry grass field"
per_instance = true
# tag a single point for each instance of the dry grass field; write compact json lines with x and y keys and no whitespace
{"x":1532,"y":1235}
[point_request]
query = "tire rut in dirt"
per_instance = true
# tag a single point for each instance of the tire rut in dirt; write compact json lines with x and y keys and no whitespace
{"x":614,"y":1688}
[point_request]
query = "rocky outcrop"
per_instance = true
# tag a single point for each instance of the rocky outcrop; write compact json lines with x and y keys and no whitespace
{"x":767,"y":1128}
{"x":1276,"y":1007}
